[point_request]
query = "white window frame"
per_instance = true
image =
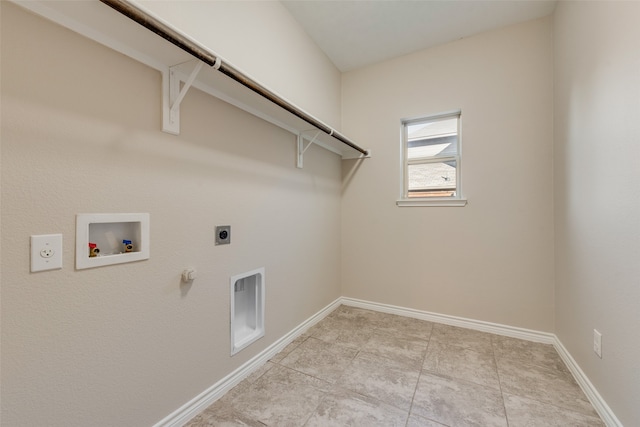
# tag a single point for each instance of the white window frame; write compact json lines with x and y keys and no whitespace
{"x":458,"y":199}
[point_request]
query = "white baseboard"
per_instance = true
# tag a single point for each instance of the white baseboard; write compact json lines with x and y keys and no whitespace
{"x":196,"y":405}
{"x":186,"y":412}
{"x":594,"y":397}
{"x":478,"y":325}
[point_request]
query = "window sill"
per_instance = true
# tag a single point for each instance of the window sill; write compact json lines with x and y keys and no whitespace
{"x":425,"y":202}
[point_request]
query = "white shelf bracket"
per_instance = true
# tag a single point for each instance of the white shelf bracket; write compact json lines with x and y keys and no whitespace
{"x":302,"y":148}
{"x":173,"y":95}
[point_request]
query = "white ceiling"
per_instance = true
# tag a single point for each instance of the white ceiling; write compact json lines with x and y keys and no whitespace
{"x":354,"y":34}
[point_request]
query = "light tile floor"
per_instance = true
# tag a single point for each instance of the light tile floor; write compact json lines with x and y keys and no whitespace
{"x":363,"y":368}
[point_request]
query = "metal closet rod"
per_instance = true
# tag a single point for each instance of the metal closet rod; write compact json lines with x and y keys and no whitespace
{"x":207,"y":57}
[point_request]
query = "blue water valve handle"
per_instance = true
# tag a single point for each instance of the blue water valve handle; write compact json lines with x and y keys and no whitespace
{"x":128,"y":247}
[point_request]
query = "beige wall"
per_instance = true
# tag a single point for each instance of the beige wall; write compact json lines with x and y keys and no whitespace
{"x":597,"y":194}
{"x":263,"y":40}
{"x":128,"y":344}
{"x":493,"y":259}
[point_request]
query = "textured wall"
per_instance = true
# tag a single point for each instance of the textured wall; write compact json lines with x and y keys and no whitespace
{"x":126,"y":345}
{"x":493,"y":259}
{"x":597,"y":194}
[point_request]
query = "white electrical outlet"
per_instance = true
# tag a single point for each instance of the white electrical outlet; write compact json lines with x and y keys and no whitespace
{"x":46,"y":252}
{"x":597,"y":343}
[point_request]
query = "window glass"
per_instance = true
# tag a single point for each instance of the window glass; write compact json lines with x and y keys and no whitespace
{"x":431,"y":148}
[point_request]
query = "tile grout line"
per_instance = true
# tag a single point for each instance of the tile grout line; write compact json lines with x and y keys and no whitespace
{"x":495,"y":361}
{"x":333,"y":385}
{"x":528,"y":364}
{"x":415,"y":390}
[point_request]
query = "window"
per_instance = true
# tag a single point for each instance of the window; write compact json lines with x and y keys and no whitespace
{"x":431,"y":161}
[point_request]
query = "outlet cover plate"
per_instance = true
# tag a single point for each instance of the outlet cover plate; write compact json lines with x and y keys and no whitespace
{"x":46,"y":252}
{"x":597,"y":343}
{"x":223,"y":234}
